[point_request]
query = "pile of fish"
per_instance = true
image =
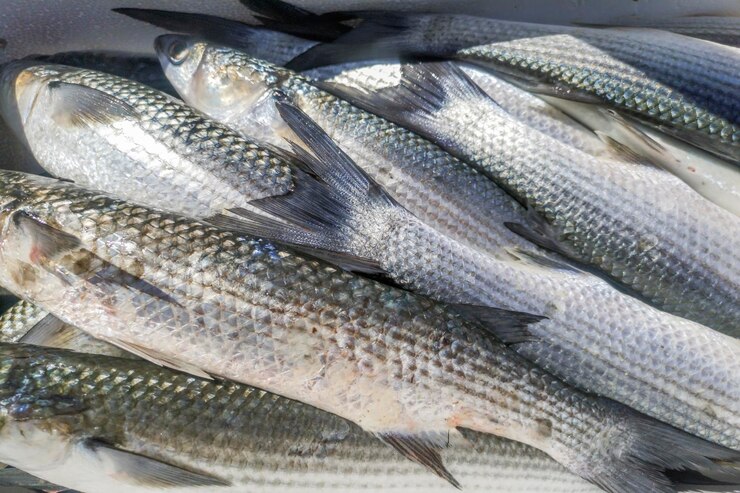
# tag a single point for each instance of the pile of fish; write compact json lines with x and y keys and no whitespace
{"x":374,"y":251}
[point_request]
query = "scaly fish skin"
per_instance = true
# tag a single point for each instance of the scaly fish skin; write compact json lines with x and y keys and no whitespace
{"x":254,"y":440}
{"x":686,"y":87}
{"x":595,"y":337}
{"x":126,"y":138}
{"x":642,"y":226}
{"x":17,"y":320}
{"x":206,"y":300}
{"x":439,"y":189}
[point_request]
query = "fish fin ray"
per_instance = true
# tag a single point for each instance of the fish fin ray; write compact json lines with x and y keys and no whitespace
{"x":422,"y":448}
{"x":139,"y":469}
{"x":508,"y":326}
{"x":539,"y":260}
{"x":49,"y":331}
{"x":159,"y":358}
{"x":76,"y":105}
{"x":48,"y":240}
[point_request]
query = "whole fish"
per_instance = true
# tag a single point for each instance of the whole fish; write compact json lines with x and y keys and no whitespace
{"x":153,"y":427}
{"x":210,"y":302}
{"x":124,"y":137}
{"x":583,"y":342}
{"x":30,"y":324}
{"x":688,"y":88}
{"x":723,"y":29}
{"x":439,"y":189}
{"x":641,"y":226}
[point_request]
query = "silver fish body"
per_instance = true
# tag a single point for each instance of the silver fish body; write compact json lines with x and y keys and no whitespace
{"x":689,"y":88}
{"x":241,"y":436}
{"x":17,"y":320}
{"x":640,"y":225}
{"x":583,"y":341}
{"x":124,"y":137}
{"x":210,"y":302}
{"x":439,"y":189}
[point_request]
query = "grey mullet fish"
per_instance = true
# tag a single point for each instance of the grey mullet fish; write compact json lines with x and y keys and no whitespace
{"x":237,"y":438}
{"x":596,"y":337}
{"x":641,"y":226}
{"x":438,"y":188}
{"x":187,"y":295}
{"x":122,"y":136}
{"x":688,"y":88}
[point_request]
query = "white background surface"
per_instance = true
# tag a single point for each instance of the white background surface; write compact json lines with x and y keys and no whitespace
{"x":49,"y":26}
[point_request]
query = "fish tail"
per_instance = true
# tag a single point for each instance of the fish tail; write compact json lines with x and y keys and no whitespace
{"x":636,"y":453}
{"x":331,"y":206}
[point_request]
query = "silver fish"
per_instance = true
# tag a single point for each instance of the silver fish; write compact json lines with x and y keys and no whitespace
{"x":124,"y":137}
{"x":97,"y":423}
{"x":439,"y":189}
{"x":688,"y":88}
{"x":642,"y":226}
{"x":583,"y":341}
{"x":207,"y":301}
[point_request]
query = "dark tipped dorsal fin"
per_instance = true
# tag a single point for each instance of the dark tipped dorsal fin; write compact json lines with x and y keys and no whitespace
{"x":509,"y":327}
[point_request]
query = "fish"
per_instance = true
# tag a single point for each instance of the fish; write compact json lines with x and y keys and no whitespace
{"x":151,"y":428}
{"x":12,"y":477}
{"x":27,"y":323}
{"x":520,"y":104}
{"x":140,"y":68}
{"x":210,"y":302}
{"x":439,"y":189}
{"x":581,"y":333}
{"x":127,"y":138}
{"x":684,"y":87}
{"x":644,"y":228}
{"x":723,"y":29}
{"x":715,"y":179}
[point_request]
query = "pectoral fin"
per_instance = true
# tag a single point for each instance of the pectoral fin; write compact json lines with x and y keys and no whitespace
{"x":76,"y":105}
{"x":159,"y":358}
{"x":146,"y":471}
{"x":423,"y":448}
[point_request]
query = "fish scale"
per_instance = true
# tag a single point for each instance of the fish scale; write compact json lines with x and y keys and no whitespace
{"x":354,"y":363}
{"x":596,"y":337}
{"x":256,"y":440}
{"x":688,"y":88}
{"x":105,"y":131}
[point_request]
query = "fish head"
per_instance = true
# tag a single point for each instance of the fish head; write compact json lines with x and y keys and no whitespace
{"x":21,"y":85}
{"x":225,"y":84}
{"x":30,"y":247}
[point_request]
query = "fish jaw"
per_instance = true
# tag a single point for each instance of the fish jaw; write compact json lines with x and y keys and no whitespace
{"x":240,"y":96}
{"x":21,"y":85}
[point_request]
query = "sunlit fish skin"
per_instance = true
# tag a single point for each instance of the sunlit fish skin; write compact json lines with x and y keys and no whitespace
{"x":207,"y":301}
{"x":520,"y":104}
{"x":248,"y":439}
{"x":128,"y":139}
{"x":687,"y":87}
{"x":439,"y":189}
{"x":29,"y":324}
{"x":640,"y":225}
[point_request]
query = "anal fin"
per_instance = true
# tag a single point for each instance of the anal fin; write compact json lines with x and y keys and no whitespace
{"x":510,"y":327}
{"x":422,"y":448}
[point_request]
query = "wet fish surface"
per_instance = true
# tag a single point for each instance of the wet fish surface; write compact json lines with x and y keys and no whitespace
{"x":723,"y":29}
{"x":127,"y":138}
{"x":641,"y":226}
{"x":153,"y":428}
{"x":442,"y":191}
{"x":208,"y":302}
{"x":688,"y":88}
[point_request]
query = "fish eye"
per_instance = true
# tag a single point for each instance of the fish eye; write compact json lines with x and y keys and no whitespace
{"x":177,"y":52}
